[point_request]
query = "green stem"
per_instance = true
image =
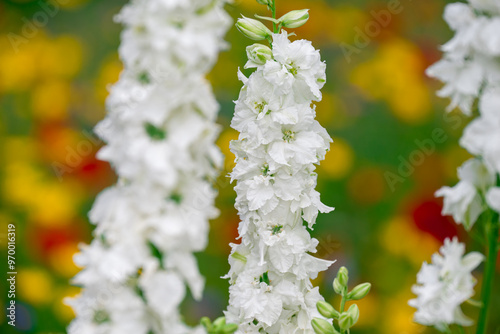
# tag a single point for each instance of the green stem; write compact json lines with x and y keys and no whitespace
{"x":461,"y":330}
{"x":342,"y":308}
{"x":273,"y":11}
{"x":492,"y":229}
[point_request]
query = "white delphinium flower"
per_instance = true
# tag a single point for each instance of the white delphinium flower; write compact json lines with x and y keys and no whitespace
{"x":443,"y":285}
{"x":482,"y":136}
{"x":464,"y":201}
{"x":159,"y":132}
{"x":493,"y":198}
{"x":279,"y":144}
{"x":470,"y":61}
{"x":471,"y":72}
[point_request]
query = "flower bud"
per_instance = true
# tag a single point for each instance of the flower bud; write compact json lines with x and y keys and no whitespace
{"x":264,"y":2}
{"x":205,"y":322}
{"x":259,"y":54}
{"x":327,"y":310}
{"x":295,"y":18}
{"x":219,"y":322}
{"x":337,"y":287}
{"x":321,"y":326}
{"x":253,"y":29}
{"x":359,"y":292}
{"x":343,"y":276}
{"x":230,"y":329}
{"x":349,"y":318}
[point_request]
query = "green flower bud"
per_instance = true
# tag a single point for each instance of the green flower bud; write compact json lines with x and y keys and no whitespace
{"x":253,"y":29}
{"x":321,"y":326}
{"x":205,"y":322}
{"x":359,"y":292}
{"x":219,"y":322}
{"x":349,"y":318}
{"x":259,"y":54}
{"x":264,"y":2}
{"x":230,"y":329}
{"x":295,"y":18}
{"x":327,"y":310}
{"x":338,"y":288}
{"x":343,"y":276}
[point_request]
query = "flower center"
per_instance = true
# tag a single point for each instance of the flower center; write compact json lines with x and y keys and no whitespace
{"x":292,"y":68}
{"x":277,"y":229}
{"x":288,"y":135}
{"x":101,"y":316}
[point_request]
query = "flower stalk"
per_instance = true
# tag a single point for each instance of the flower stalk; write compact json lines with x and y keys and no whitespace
{"x":492,"y":234}
{"x":279,"y":146}
{"x":160,"y":134}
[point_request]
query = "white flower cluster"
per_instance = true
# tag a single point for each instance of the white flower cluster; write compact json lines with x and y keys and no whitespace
{"x":470,"y":70}
{"x":279,"y":144}
{"x":160,"y":132}
{"x":444,"y":285}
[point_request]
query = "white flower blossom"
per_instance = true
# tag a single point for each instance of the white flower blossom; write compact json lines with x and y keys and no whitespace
{"x":443,"y":285}
{"x":471,"y":73}
{"x":464,"y":201}
{"x":493,"y":198}
{"x":279,"y":144}
{"x":470,"y":59}
{"x":159,"y":132}
{"x":482,"y":136}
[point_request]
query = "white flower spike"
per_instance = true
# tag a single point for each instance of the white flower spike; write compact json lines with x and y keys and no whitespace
{"x":159,"y":132}
{"x":280,"y":143}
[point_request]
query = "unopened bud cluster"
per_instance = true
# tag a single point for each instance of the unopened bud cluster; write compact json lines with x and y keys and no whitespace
{"x":257,"y":31}
{"x":344,"y":319}
{"x":219,"y":326}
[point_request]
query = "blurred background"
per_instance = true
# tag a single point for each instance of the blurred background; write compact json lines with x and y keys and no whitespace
{"x":394,"y":147}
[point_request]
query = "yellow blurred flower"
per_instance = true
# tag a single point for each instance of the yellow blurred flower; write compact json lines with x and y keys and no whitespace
{"x":223,"y":142}
{"x":55,"y":203}
{"x":326,"y":109}
{"x":339,"y":160}
{"x":395,"y":75}
{"x":20,"y":179}
{"x":50,"y":101}
{"x":402,"y":228}
{"x":108,"y":74}
{"x":61,"y":57}
{"x":61,"y":259}
{"x":34,"y":286}
{"x":48,"y":201}
{"x":17,"y":70}
{"x":19,"y":149}
{"x":61,"y":310}
{"x":39,"y":59}
{"x":400,"y":320}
